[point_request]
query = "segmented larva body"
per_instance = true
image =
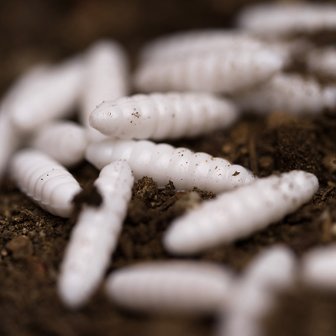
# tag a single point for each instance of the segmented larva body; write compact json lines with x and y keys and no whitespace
{"x":165,"y":163}
{"x":319,"y":267}
{"x":255,"y":294}
{"x":290,"y":93}
{"x":239,"y":213}
{"x":224,"y":72}
{"x":172,"y":286}
{"x":95,"y":236}
{"x":323,"y":62}
{"x":44,"y":180}
{"x":50,"y":94}
{"x":162,"y":116}
{"x":106,"y":78}
{"x":64,"y":141}
{"x":286,"y":19}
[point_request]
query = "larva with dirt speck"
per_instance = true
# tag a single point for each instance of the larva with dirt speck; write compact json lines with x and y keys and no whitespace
{"x":162,"y":116}
{"x":165,"y":163}
{"x":323,"y":62}
{"x":239,"y":213}
{"x":290,"y":93}
{"x":255,"y":293}
{"x":225,"y":72}
{"x":64,"y":141}
{"x":48,"y":183}
{"x":279,"y":19}
{"x":95,"y":236}
{"x":171,"y":287}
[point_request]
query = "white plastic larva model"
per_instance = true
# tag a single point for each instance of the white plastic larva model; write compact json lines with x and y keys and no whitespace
{"x":160,"y":116}
{"x":165,"y":163}
{"x":223,"y":72}
{"x":64,"y":141}
{"x":106,"y":78}
{"x":290,"y":93}
{"x":171,"y":287}
{"x":319,"y":267}
{"x":95,"y":236}
{"x":323,"y":62}
{"x":254,"y":295}
{"x":285,"y":19}
{"x":239,"y":213}
{"x":51,"y":94}
{"x":44,"y":180}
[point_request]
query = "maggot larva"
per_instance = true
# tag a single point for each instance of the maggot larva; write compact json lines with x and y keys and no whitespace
{"x":44,"y":180}
{"x":174,"y":287}
{"x":165,"y":163}
{"x":95,"y":236}
{"x":323,"y":62}
{"x":160,"y":116}
{"x":251,"y":208}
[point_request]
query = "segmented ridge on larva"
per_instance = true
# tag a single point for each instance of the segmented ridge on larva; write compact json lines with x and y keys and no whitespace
{"x":323,"y":62}
{"x":161,"y":116}
{"x":106,"y":78}
{"x":219,"y":72}
{"x":95,"y":236}
{"x":239,"y":213}
{"x":286,"y":19}
{"x":290,"y":93}
{"x":165,"y":163}
{"x":319,"y":267}
{"x":254,"y":295}
{"x":171,"y":287}
{"x":64,"y":141}
{"x":50,"y":93}
{"x":44,"y":180}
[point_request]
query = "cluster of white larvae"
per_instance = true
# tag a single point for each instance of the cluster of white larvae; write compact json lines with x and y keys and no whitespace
{"x":197,"y":82}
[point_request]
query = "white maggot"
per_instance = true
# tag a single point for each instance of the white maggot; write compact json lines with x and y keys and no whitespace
{"x":323,"y":62}
{"x":95,"y":236}
{"x":290,"y":93}
{"x":106,"y":78}
{"x":285,"y":19}
{"x":239,"y":213}
{"x":44,"y":180}
{"x":64,"y":141}
{"x":165,"y":163}
{"x":162,"y":116}
{"x":223,"y":72}
{"x":171,"y":287}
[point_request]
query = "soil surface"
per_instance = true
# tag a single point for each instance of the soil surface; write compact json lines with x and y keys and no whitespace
{"x":32,"y":242}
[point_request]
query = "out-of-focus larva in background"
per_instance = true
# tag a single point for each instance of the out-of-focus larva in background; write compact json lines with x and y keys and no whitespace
{"x":165,"y":163}
{"x":255,"y":293}
{"x":280,"y":19}
{"x":288,"y":92}
{"x":95,"y":236}
{"x":160,"y":116}
{"x":64,"y":141}
{"x":239,"y":213}
{"x":323,"y":62}
{"x":106,"y":78}
{"x":44,"y":180}
{"x":171,"y":287}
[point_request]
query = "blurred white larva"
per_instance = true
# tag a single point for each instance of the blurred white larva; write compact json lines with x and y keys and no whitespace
{"x":323,"y":62}
{"x":290,"y":93}
{"x":161,"y":116}
{"x":255,"y":294}
{"x":223,"y":72}
{"x":165,"y":163}
{"x":64,"y":141}
{"x":319,"y":267}
{"x":44,"y":180}
{"x":50,"y":94}
{"x":95,"y":236}
{"x":284,"y":19}
{"x":106,"y":78}
{"x":239,"y":213}
{"x":171,"y":287}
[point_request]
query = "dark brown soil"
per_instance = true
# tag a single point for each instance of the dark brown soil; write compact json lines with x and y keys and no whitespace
{"x":32,"y":242}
